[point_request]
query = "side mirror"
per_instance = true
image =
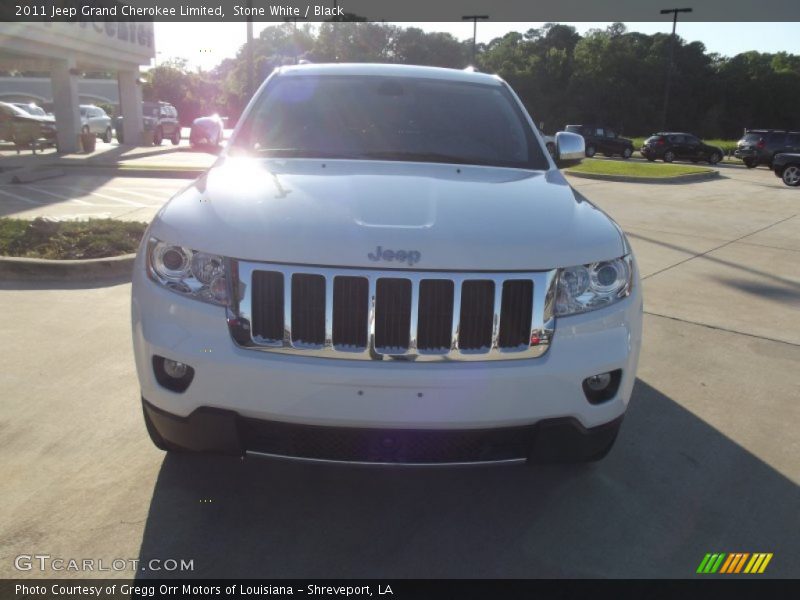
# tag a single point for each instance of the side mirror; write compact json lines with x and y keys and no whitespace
{"x":570,"y":149}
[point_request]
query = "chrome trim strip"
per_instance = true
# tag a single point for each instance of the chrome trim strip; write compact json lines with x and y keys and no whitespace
{"x":405,"y":465}
{"x":328,"y":343}
{"x":413,"y":325}
{"x":542,"y":322}
{"x":498,"y":303}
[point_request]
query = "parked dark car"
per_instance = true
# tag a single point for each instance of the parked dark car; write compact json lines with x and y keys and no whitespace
{"x":159,"y":117}
{"x":786,"y":165}
{"x":207,"y":131}
{"x":603,"y":140}
{"x":759,"y":146}
{"x":669,"y":146}
{"x":24,"y":129}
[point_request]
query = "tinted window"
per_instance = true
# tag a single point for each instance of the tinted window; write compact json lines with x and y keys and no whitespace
{"x":793,"y":139}
{"x":390,"y":118}
{"x":574,"y":129}
{"x":610,"y":134}
{"x":599,"y":132}
{"x":777,"y":138}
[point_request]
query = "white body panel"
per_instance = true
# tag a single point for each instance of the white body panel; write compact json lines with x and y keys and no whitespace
{"x":323,"y":391}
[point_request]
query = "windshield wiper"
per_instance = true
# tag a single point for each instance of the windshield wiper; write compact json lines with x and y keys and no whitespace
{"x":436,"y":157}
{"x":301,"y":153}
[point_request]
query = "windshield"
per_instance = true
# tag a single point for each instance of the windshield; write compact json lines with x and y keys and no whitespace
{"x":390,"y":118}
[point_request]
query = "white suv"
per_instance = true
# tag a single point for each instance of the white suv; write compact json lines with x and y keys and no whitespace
{"x":386,"y":266}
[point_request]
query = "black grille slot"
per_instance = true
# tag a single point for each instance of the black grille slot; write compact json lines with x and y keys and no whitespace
{"x":434,"y":327}
{"x":477,"y":314}
{"x":392,"y":313}
{"x":308,"y":309}
{"x":515,"y":313}
{"x":350,"y":311}
{"x":268,"y":305}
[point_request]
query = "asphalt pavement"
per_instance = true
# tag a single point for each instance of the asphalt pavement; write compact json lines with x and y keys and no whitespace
{"x":707,"y":459}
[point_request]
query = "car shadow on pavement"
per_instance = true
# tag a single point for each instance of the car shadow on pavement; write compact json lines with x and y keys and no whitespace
{"x":672,"y":489}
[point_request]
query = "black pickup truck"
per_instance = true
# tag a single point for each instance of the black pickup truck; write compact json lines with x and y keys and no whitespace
{"x":787,"y":166}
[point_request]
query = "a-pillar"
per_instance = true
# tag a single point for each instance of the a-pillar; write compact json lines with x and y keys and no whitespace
{"x":64,"y":82}
{"x":130,"y":104}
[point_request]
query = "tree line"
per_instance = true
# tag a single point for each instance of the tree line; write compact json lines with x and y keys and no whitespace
{"x":609,"y":76}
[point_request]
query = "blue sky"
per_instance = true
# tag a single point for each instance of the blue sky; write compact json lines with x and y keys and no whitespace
{"x":206,"y":44}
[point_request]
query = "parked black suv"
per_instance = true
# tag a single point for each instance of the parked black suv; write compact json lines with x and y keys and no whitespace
{"x":787,"y":167}
{"x":159,"y":117}
{"x":669,"y":146}
{"x":603,"y":140}
{"x":759,"y":146}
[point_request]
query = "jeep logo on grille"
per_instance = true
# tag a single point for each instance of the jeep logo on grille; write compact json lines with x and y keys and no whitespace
{"x":410,"y":256}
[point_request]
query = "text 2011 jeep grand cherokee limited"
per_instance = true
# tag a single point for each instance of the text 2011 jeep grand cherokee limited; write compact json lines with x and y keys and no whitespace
{"x":386,"y":266}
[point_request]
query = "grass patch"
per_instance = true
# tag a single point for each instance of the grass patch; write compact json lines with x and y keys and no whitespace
{"x":62,"y":240}
{"x":634,"y":169}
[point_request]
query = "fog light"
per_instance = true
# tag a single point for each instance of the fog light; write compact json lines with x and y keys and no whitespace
{"x":174,"y":368}
{"x":596,"y":383}
{"x":171,"y":374}
{"x":601,"y":387}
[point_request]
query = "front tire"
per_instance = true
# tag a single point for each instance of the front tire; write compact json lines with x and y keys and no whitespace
{"x":669,"y":156}
{"x":176,"y":137}
{"x":107,"y":135}
{"x":158,"y":137}
{"x":750,"y":163}
{"x":627,"y":153}
{"x":590,"y":151}
{"x":714,"y":158}
{"x":791,"y":175}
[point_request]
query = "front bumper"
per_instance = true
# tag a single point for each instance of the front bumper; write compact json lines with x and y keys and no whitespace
{"x":742,"y":153}
{"x":381,"y":395}
{"x":226,"y":432}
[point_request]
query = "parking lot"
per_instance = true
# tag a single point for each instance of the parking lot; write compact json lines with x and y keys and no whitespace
{"x":707,"y":459}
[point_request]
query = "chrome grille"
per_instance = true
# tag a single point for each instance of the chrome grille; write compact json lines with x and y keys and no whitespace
{"x":374,"y":315}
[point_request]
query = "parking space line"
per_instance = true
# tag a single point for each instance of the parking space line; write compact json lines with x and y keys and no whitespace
{"x":112,"y":198}
{"x":141,"y":194}
{"x":709,"y":251}
{"x":22,"y":198}
{"x":59,"y":196}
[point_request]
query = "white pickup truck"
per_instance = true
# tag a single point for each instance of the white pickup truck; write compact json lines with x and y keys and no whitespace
{"x":386,"y":266}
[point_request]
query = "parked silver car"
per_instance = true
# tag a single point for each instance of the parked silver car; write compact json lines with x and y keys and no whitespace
{"x":95,"y":120}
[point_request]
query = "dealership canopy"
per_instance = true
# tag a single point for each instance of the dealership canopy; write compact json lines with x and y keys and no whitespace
{"x":66,"y":50}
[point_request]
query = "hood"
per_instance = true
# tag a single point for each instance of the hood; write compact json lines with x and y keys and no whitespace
{"x":341,"y":212}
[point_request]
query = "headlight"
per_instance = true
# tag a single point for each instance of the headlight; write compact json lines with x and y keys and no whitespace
{"x":189,"y":272}
{"x":596,"y":285}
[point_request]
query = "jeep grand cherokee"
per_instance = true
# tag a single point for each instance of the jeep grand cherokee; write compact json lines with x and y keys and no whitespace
{"x":385,"y":265}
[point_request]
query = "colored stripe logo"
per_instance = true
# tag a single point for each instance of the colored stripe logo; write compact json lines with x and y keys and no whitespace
{"x":735,"y":562}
